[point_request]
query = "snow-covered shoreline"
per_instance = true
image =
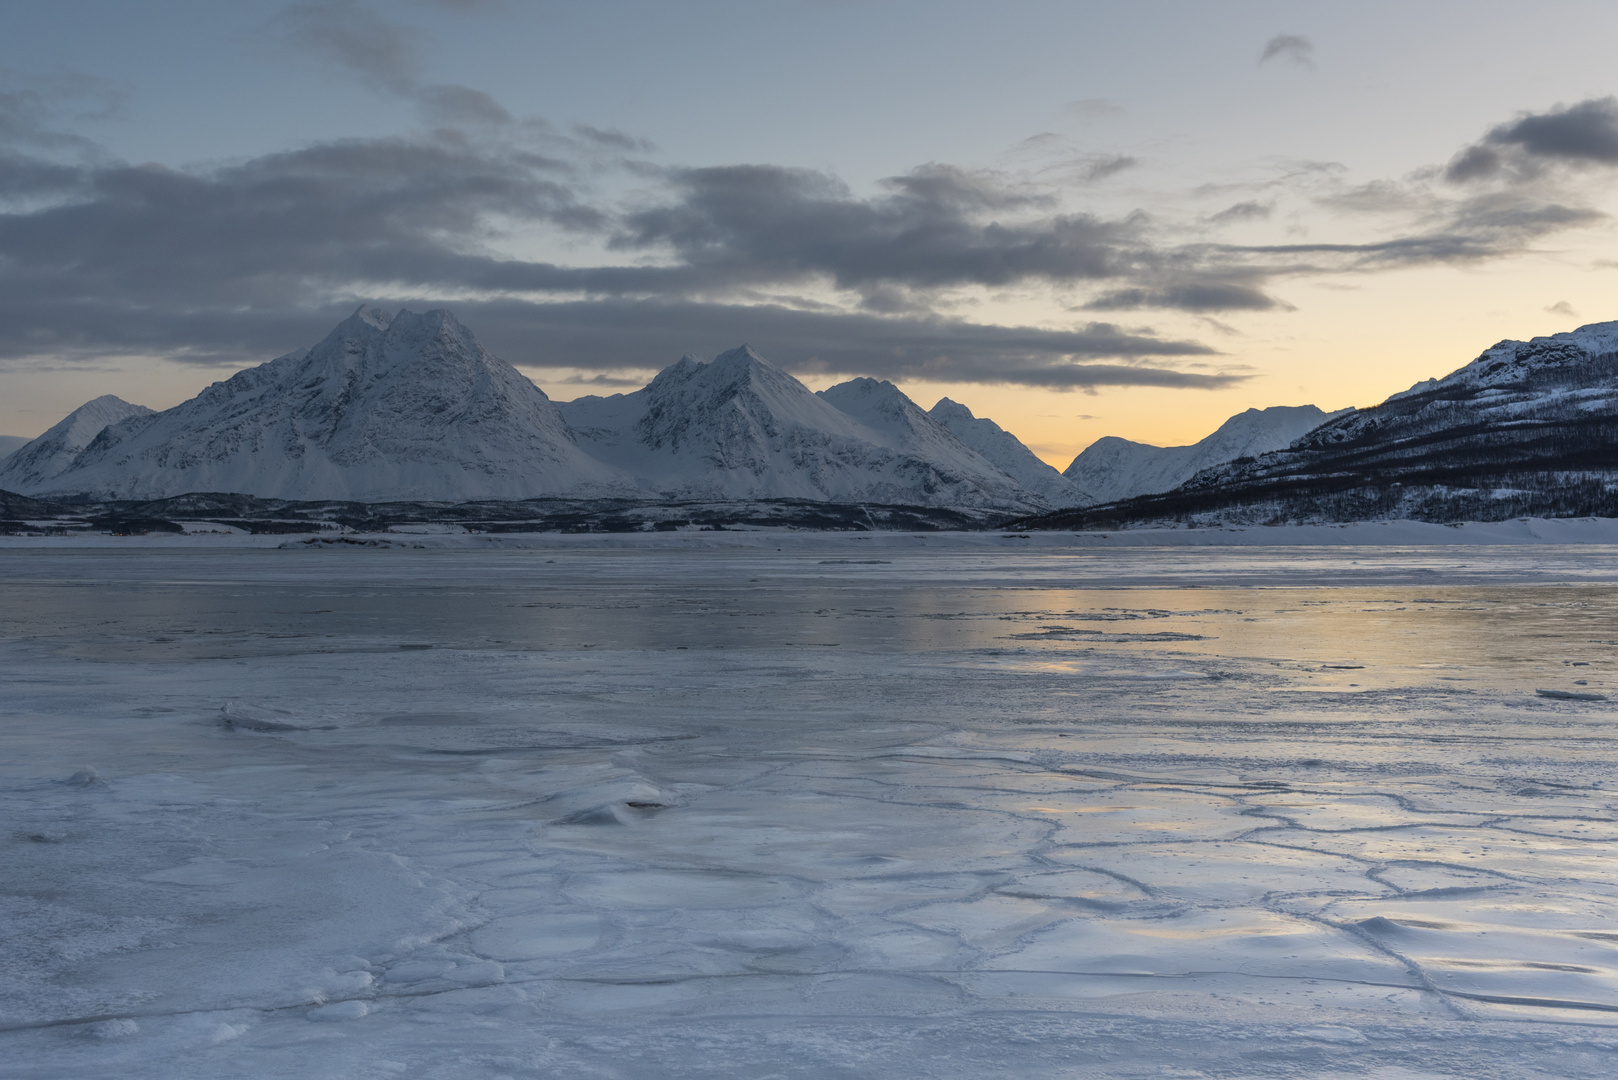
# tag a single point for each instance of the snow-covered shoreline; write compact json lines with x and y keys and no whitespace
{"x":1525,"y":531}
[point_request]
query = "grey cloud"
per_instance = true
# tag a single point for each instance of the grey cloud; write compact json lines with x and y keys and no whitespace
{"x":1379,"y":197}
{"x":629,"y":334}
{"x":1585,"y":133}
{"x":1471,"y":232}
{"x":1243,"y":211}
{"x":456,"y":106}
{"x":354,"y":37}
{"x":383,"y":54}
{"x":607,"y":336}
{"x":235,"y":263}
{"x":1526,"y":199}
{"x":1562,"y":307}
{"x":1473,"y":163}
{"x":610,"y":382}
{"x":612,"y":139}
{"x":768,"y":223}
{"x":23,"y":176}
{"x":1039,"y":142}
{"x":467,"y":7}
{"x":1198,"y":297}
{"x":961,"y":189}
{"x":1293,"y":47}
{"x":238,"y":263}
{"x":33,"y":110}
{"x":273,"y":231}
{"x":1110,"y":165}
{"x":1093,"y":108}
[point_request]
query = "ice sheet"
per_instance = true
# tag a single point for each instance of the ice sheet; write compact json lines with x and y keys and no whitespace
{"x":597,"y":810}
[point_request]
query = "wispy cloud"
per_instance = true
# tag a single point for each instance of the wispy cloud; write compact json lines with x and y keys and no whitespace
{"x":1291,"y":48}
{"x":380,"y":52}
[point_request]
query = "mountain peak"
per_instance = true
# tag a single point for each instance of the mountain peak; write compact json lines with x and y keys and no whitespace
{"x":79,"y":427}
{"x":385,"y":407}
{"x":947,"y":411}
{"x":366,"y":320}
{"x":864,"y":386}
{"x":43,"y":459}
{"x":881,"y":406}
{"x":742,"y":356}
{"x":1007,"y":453}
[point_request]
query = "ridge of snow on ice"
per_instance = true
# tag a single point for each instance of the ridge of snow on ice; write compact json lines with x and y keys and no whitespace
{"x":386,"y":407}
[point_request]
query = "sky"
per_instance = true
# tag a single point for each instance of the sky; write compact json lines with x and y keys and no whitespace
{"x":1080,"y":219}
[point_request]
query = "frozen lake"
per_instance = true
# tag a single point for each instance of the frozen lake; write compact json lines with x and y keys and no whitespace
{"x":858,"y":807}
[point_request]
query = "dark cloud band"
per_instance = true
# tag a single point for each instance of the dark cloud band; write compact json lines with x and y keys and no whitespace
{"x":622,"y":333}
{"x":231,"y":264}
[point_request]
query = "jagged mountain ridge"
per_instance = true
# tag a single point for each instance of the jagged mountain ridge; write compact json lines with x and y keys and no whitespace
{"x":1528,"y":428}
{"x":1111,"y":468}
{"x":385,"y":407}
{"x":738,"y":427}
{"x":410,"y":407}
{"x":1006,"y":452}
{"x":38,"y":461}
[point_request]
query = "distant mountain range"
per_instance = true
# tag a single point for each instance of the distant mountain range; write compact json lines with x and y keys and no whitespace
{"x":1111,"y":468}
{"x":1527,"y":429}
{"x":409,"y":407}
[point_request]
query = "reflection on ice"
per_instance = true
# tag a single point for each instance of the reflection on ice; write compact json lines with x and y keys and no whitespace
{"x":621,"y":821}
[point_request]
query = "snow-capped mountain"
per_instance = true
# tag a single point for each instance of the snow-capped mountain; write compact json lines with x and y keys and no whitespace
{"x":37,"y":463}
{"x":738,"y":427}
{"x":1006,"y":452}
{"x":407,"y":406}
{"x":903,"y":425}
{"x":10,"y":443}
{"x":1528,"y":428}
{"x":1111,"y":468}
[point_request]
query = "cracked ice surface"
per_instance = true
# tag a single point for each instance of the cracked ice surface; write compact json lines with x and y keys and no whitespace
{"x":848,"y":809}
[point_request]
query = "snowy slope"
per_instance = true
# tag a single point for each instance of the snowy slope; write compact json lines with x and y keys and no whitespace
{"x":9,"y":443}
{"x":1513,"y":361}
{"x":35,"y":465}
{"x":902,"y":424}
{"x":386,"y":407}
{"x":739,"y":427}
{"x":1007,"y":453}
{"x":1514,"y":385}
{"x":1528,"y":429}
{"x":1112,"y":468}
